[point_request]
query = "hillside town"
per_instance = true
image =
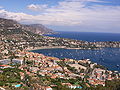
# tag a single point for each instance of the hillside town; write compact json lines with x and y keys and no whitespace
{"x":21,"y":69}
{"x":40,"y":72}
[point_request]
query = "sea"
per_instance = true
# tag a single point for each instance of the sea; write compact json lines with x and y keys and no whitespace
{"x":108,"y":57}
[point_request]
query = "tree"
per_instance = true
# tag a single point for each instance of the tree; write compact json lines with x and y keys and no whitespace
{"x":24,"y":59}
{"x":11,"y":59}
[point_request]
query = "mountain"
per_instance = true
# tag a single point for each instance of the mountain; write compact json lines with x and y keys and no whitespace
{"x":38,"y":29}
{"x":7,"y":24}
{"x":14,"y":36}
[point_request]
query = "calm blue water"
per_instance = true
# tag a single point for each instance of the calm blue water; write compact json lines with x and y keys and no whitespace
{"x":88,"y":36}
{"x":109,"y":57}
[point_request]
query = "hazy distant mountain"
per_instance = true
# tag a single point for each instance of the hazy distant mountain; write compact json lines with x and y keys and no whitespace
{"x":7,"y":24}
{"x":38,"y":28}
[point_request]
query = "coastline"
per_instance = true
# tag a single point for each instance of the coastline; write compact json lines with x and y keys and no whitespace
{"x":45,"y":47}
{"x":55,"y":47}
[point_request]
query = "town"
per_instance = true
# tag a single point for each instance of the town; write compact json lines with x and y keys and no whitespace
{"x":39,"y":72}
{"x":21,"y":69}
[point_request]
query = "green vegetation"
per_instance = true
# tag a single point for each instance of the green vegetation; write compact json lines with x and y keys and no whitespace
{"x":10,"y":76}
{"x":100,"y":66}
{"x":110,"y":85}
{"x":84,"y":64}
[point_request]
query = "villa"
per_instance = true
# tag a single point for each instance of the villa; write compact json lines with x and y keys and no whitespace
{"x":8,"y":61}
{"x":5,"y":66}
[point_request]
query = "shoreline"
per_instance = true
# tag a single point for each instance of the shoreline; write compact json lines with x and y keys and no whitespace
{"x":58,"y":47}
{"x":46,"y":47}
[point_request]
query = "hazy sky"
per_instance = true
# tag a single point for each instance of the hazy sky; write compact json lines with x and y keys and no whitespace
{"x":65,"y":15}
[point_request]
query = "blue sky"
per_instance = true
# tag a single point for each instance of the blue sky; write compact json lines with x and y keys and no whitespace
{"x":65,"y":15}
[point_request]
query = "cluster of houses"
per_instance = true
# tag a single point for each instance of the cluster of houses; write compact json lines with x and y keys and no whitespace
{"x":35,"y":63}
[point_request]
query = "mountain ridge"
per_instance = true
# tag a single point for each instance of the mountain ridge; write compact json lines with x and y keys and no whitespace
{"x":9,"y":24}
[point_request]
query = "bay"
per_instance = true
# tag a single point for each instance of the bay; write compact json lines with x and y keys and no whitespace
{"x":108,"y":57}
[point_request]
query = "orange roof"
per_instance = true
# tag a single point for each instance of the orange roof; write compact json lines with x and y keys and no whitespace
{"x":4,"y":65}
{"x":87,"y":85}
{"x":53,"y":77}
{"x":48,"y":87}
{"x":69,"y":84}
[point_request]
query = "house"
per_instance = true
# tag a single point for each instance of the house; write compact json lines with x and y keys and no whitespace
{"x":7,"y":61}
{"x":1,"y":71}
{"x":72,"y":86}
{"x":48,"y":88}
{"x":1,"y":88}
{"x":5,"y":51}
{"x":5,"y":66}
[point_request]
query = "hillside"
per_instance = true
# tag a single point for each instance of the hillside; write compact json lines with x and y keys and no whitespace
{"x":7,"y":24}
{"x":14,"y":36}
{"x":38,"y":29}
